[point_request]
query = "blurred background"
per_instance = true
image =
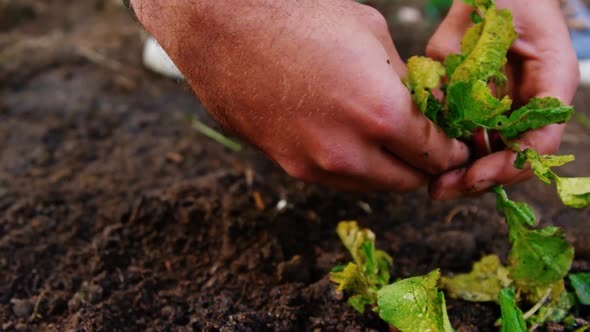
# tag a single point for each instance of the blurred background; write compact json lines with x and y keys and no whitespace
{"x":118,"y":213}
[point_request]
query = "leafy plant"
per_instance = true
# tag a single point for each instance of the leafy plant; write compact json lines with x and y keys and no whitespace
{"x":540,"y":258}
{"x":538,"y":261}
{"x":574,"y":192}
{"x":399,"y":304}
{"x":369,"y":270}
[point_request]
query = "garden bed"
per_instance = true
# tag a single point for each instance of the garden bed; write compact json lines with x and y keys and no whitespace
{"x":116,"y":215}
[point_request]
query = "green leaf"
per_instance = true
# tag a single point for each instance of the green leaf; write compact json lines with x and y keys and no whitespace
{"x":353,"y":280}
{"x":384,"y":263}
{"x":471,"y":37}
{"x":484,"y":47}
{"x":338,"y":268}
{"x":368,"y":249}
{"x":433,"y":109}
{"x":424,"y":74}
{"x":475,"y":17}
{"x":537,"y":113}
{"x":482,"y":4}
{"x":556,"y":306}
{"x":482,"y":284}
{"x":472,"y":105}
{"x":581,"y":284}
{"x":574,"y":192}
{"x":350,"y":279}
{"x":452,"y":61}
{"x":414,"y":305}
{"x":537,"y":257}
{"x":375,"y":264}
{"x":353,"y":238}
{"x":544,"y":293}
{"x":517,"y":212}
{"x":541,"y":165}
{"x":512,"y":320}
{"x":359,"y":302}
{"x":489,"y":54}
{"x":370,"y":270}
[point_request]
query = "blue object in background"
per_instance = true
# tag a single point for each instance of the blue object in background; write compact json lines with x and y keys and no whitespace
{"x":578,"y":19}
{"x":577,"y":16}
{"x":581,"y":40}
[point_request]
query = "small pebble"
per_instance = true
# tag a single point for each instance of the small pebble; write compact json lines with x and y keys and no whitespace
{"x":22,"y":308}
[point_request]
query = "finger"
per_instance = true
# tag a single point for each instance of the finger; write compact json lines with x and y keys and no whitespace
{"x":497,"y":168}
{"x":486,"y":172}
{"x":403,"y":130}
{"x":448,"y":185}
{"x":388,"y":115}
{"x":384,"y":172}
{"x":381,"y":32}
{"x":554,"y":74}
{"x":448,"y":35}
{"x":393,"y":58}
{"x":549,"y":63}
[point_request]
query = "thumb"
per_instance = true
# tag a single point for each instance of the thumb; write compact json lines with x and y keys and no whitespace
{"x":447,"y":37}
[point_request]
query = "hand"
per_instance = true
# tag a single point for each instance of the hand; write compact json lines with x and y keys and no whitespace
{"x":541,"y":63}
{"x":315,"y":85}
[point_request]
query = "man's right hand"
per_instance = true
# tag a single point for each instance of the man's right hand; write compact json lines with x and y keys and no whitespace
{"x":316,"y":85}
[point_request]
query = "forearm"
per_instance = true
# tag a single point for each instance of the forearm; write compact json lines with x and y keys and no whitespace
{"x":220,"y":46}
{"x":194,"y":31}
{"x":211,"y":41}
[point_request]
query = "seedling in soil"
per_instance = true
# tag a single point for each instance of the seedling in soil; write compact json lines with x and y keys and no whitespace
{"x":412,"y":304}
{"x":539,"y":259}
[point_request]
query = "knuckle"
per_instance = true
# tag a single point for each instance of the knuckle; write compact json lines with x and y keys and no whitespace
{"x":381,"y":117}
{"x":435,"y":162}
{"x":375,"y":19}
{"x":299,"y":171}
{"x":338,"y":162}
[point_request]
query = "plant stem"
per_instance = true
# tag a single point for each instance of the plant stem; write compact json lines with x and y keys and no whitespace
{"x":216,"y":136}
{"x":537,"y":306}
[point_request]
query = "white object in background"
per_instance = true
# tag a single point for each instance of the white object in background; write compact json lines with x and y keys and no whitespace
{"x":281,"y":205}
{"x":156,"y":59}
{"x":409,"y":15}
{"x":585,"y":71}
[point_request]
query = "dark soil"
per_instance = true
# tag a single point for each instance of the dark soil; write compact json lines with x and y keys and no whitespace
{"x":116,"y":215}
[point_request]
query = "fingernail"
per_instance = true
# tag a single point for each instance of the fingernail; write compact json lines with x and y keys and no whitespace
{"x":448,"y":186}
{"x":479,"y":186}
